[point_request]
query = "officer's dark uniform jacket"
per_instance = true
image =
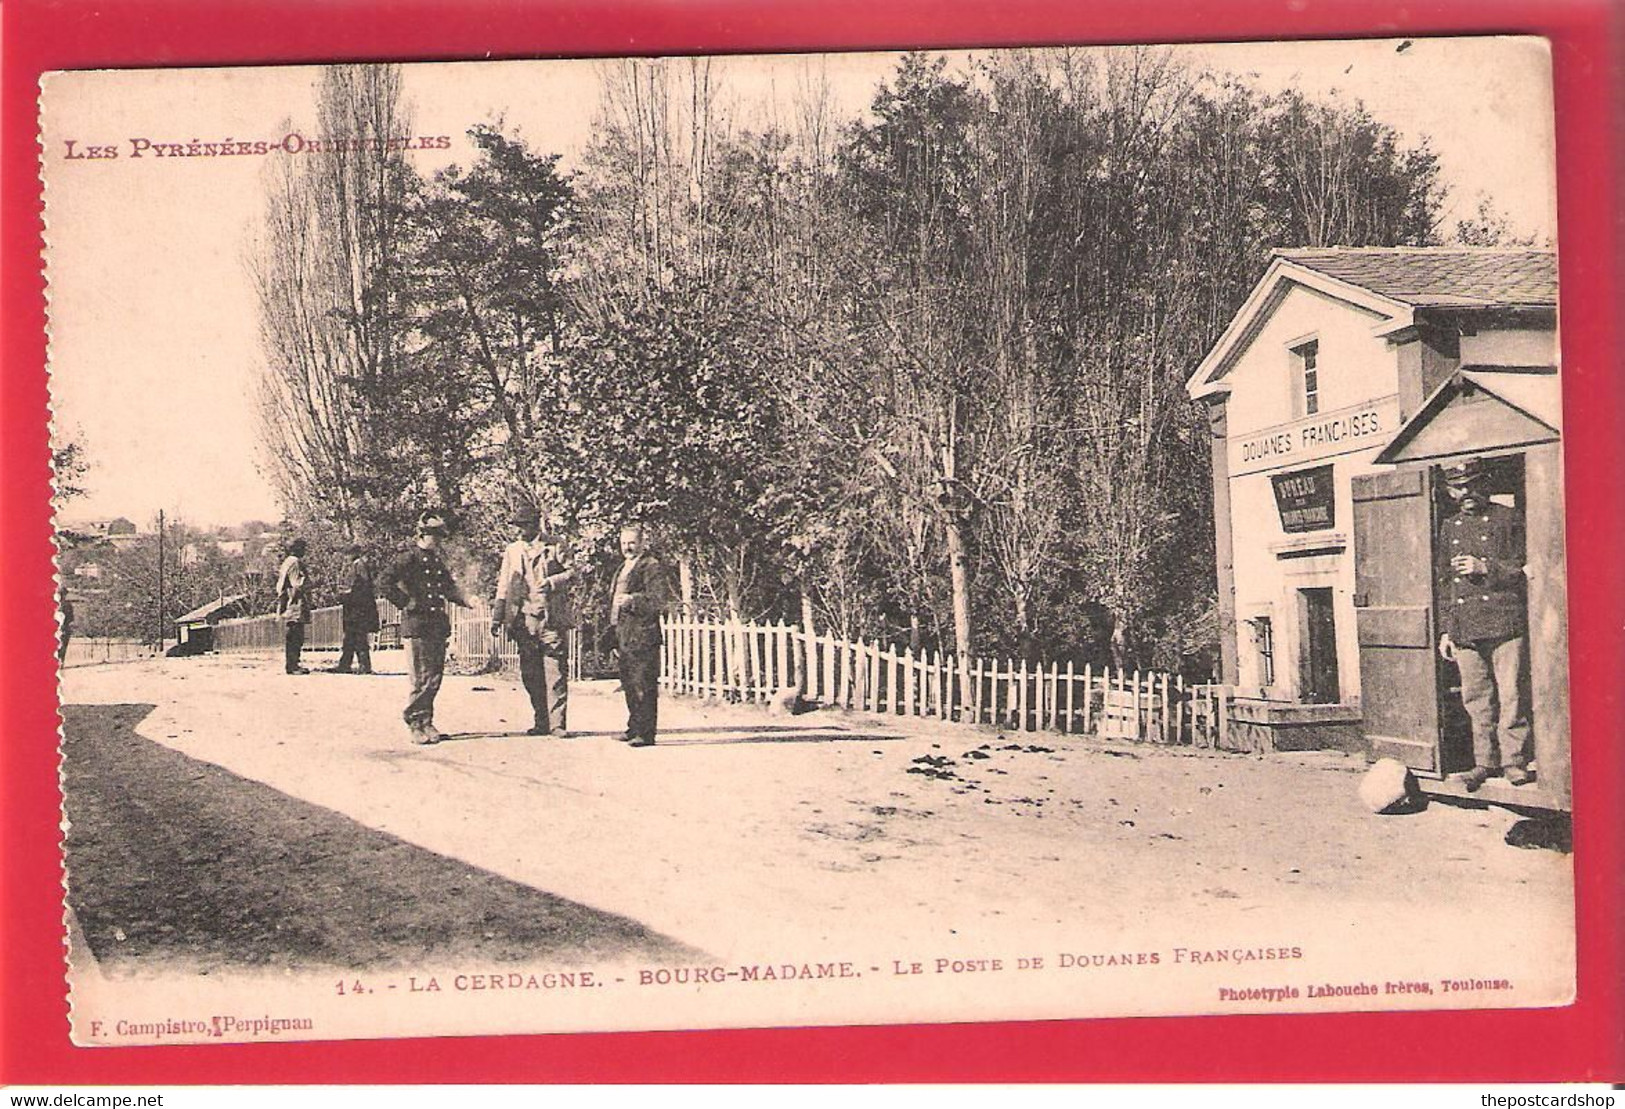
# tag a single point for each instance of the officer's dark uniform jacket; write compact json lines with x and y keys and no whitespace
{"x":1489,"y":606}
{"x":419,"y":584}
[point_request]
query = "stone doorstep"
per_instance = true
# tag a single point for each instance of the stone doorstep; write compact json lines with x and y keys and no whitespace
{"x":1495,"y":791}
{"x":1286,"y":713}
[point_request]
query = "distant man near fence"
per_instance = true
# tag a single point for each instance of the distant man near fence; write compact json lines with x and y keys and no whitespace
{"x":360,"y":603}
{"x":64,"y":605}
{"x":419,"y":584}
{"x":1481,"y":588}
{"x":533,"y":605}
{"x":637,"y":601}
{"x":293,"y":604}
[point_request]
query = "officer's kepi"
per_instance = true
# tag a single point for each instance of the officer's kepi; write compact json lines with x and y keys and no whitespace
{"x":1464,"y":473}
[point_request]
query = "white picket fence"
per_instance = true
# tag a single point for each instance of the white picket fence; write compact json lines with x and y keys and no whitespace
{"x":747,"y":662}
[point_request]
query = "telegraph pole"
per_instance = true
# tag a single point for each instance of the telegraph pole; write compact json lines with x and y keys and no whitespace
{"x":160,"y":581}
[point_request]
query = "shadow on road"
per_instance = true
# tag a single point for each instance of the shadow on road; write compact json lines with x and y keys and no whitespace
{"x":678,"y":737}
{"x":174,"y":862}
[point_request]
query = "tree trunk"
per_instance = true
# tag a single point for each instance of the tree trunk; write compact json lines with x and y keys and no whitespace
{"x":807,"y":625}
{"x":685,"y":586}
{"x":959,"y":576}
{"x":731,"y":586}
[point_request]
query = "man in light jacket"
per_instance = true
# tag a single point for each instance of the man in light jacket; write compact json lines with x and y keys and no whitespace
{"x":293,"y":604}
{"x":533,"y":606}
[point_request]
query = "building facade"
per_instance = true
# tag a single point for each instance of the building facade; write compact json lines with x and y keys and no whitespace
{"x":1332,"y":354}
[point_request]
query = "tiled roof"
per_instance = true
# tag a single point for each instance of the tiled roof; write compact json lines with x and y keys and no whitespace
{"x":1441,"y":277}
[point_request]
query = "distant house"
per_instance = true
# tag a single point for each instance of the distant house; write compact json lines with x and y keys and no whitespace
{"x":116,"y":530}
{"x":195,"y":630}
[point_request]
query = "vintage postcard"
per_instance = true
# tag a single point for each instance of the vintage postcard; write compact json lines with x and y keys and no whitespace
{"x":827,"y":539}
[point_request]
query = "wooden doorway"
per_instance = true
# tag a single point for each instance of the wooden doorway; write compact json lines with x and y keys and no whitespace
{"x":1318,"y":682}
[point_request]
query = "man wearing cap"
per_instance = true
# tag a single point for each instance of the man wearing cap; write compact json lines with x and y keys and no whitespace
{"x":293,"y":604}
{"x":533,"y":605}
{"x":1479,"y":568}
{"x":419,"y":584}
{"x":636,"y":602}
{"x":360,"y":613}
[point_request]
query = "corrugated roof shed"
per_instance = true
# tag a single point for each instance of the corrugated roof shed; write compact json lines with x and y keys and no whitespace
{"x":203,"y":612}
{"x":1441,"y":277}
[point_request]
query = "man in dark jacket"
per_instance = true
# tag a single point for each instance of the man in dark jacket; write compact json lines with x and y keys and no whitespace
{"x":637,"y":601}
{"x":533,"y":605}
{"x":360,"y":612}
{"x":419,"y":584}
{"x":293,"y":604}
{"x":64,"y":605}
{"x":1479,"y":568}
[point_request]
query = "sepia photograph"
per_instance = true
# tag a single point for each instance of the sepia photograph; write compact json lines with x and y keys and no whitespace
{"x":811,"y":539}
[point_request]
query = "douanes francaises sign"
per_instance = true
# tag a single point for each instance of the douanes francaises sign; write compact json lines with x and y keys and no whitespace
{"x":1323,"y":435}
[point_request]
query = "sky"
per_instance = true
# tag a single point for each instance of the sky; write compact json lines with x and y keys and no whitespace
{"x":154,"y":343}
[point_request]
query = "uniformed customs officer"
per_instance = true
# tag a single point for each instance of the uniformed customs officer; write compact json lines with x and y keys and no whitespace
{"x":419,"y":584}
{"x":1479,"y":569}
{"x":533,"y":605}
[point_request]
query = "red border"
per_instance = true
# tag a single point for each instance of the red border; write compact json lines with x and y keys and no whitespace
{"x":1583,"y":1041}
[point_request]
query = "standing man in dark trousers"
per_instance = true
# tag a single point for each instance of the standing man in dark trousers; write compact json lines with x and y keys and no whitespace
{"x":360,"y":613}
{"x":293,"y":603}
{"x":533,"y":605}
{"x":64,"y":605}
{"x":419,"y":584}
{"x":636,"y":603}
{"x":1481,"y":588}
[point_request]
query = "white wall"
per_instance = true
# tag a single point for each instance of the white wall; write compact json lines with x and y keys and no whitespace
{"x":1354,"y":364}
{"x":1354,"y":367}
{"x":1509,"y":348}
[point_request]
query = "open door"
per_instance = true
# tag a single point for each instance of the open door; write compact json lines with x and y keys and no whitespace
{"x":1393,"y":600}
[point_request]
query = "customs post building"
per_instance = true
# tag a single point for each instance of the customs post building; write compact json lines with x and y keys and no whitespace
{"x":1344,"y":383}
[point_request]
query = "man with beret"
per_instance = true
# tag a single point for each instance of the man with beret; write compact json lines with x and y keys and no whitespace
{"x":360,"y":604}
{"x":293,"y":605}
{"x":419,"y":584}
{"x":637,"y":601}
{"x":533,"y":605}
{"x":1479,"y":568}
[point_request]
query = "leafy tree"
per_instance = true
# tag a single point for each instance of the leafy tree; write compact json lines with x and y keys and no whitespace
{"x":487,"y":269}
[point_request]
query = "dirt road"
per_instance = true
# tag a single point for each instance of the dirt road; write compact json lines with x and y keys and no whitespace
{"x":805,"y":828}
{"x":286,"y":822}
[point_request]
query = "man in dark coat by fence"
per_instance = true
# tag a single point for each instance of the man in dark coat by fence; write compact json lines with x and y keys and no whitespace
{"x":360,"y":603}
{"x":637,"y":601}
